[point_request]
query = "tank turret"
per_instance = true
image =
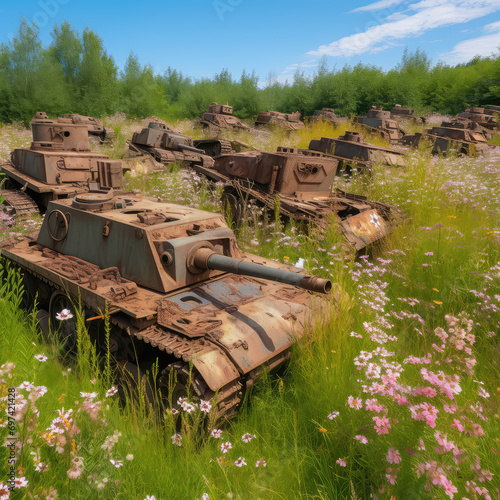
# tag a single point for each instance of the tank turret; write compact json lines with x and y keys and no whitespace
{"x":94,"y":126}
{"x":351,"y":148}
{"x":59,"y":164}
{"x":167,"y":146}
{"x":180,"y":292}
{"x":379,"y":121}
{"x":220,"y":116}
{"x":289,"y":121}
{"x":478,"y":115}
{"x":302,"y":181}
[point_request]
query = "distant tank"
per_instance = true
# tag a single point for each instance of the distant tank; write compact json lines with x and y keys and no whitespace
{"x":490,"y":109}
{"x":379,"y":121}
{"x":179,"y":291}
{"x":327,"y":115}
{"x":167,"y":146}
{"x":351,"y":148}
{"x":59,"y":164}
{"x":446,"y":140}
{"x":220,"y":116}
{"x":399,"y":111}
{"x":289,"y":121}
{"x":478,"y":115}
{"x":94,"y":125}
{"x":464,"y":123}
{"x":303,"y":186}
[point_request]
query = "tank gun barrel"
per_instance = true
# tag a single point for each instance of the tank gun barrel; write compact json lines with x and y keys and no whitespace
{"x":206,"y":258}
{"x":192,"y":149}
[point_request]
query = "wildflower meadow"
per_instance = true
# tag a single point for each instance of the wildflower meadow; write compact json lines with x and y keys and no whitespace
{"x":396,"y":397}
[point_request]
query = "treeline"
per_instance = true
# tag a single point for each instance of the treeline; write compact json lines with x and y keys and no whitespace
{"x":76,"y":74}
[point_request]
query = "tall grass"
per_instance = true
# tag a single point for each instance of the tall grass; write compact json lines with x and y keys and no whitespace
{"x":442,"y":261}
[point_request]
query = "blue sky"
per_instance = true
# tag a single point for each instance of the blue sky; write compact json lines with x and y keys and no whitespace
{"x":201,"y":37}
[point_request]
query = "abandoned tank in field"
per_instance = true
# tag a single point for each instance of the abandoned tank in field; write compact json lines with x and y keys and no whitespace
{"x":326,"y":115}
{"x":288,"y":121}
{"x":303,"y":185}
{"x":59,"y":164}
{"x":351,"y":149}
{"x":167,"y":146}
{"x":220,"y":116}
{"x":179,"y":291}
{"x":451,"y":137}
{"x":479,"y":115}
{"x":380,"y":122}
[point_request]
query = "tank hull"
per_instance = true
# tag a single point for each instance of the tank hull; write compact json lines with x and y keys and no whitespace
{"x":226,"y":327}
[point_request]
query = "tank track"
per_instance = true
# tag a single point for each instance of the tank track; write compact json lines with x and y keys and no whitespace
{"x":22,"y":204}
{"x":228,"y":398}
{"x":225,"y":147}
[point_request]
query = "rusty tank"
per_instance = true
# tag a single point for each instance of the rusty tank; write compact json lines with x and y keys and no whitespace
{"x":220,"y":116}
{"x":478,"y":115}
{"x":288,"y":121}
{"x":402,"y":112}
{"x":327,"y":115}
{"x":351,"y":149}
{"x":94,"y":126}
{"x":59,"y":164}
{"x":179,"y":291}
{"x":446,"y":140}
{"x":492,"y":110}
{"x":303,"y":185}
{"x":167,"y":146}
{"x":380,"y":122}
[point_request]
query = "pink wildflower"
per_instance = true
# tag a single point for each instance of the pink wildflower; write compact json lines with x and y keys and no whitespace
{"x":361,"y":439}
{"x":177,"y":439}
{"x":393,"y":456}
{"x":355,"y":403}
{"x":246,"y":438}
{"x":382,"y":425}
{"x":225,"y":447}
{"x":341,"y":462}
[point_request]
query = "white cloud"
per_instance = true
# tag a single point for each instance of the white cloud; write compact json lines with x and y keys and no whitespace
{"x":382,"y":4}
{"x":312,"y":63}
{"x":427,"y":15}
{"x":481,"y":46}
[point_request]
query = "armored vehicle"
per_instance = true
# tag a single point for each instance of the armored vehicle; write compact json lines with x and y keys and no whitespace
{"x":303,"y":186}
{"x":379,"y":121}
{"x":478,"y":115}
{"x":167,"y":146}
{"x":289,"y":121}
{"x":470,"y":125}
{"x":446,"y":139}
{"x":351,"y":148}
{"x":59,"y":164}
{"x":220,"y":116}
{"x":327,"y":115}
{"x":179,"y":292}
{"x":490,"y":109}
{"x":399,"y":111}
{"x":95,"y":126}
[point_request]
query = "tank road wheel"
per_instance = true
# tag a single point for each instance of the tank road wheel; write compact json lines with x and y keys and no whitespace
{"x":233,"y":206}
{"x":176,"y":383}
{"x":63,"y":321}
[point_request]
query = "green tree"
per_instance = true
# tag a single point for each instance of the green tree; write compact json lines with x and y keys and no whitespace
{"x":141,"y":94}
